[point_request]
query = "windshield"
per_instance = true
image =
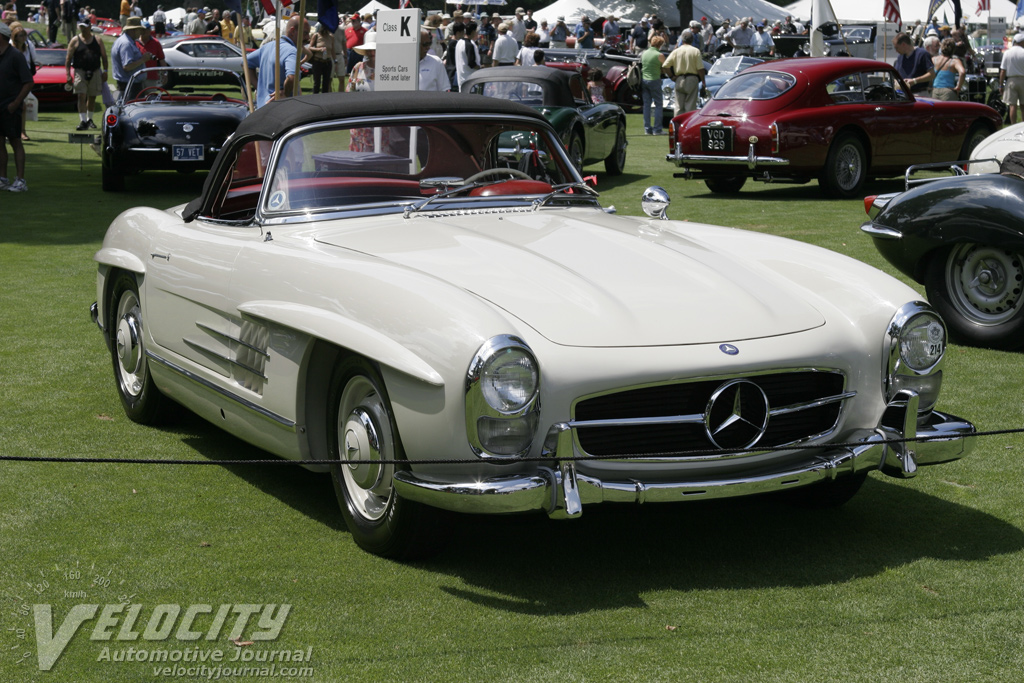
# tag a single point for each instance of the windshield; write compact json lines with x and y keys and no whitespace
{"x":181,"y":86}
{"x":337,"y":167}
{"x":730,"y":65}
{"x":760,"y":85}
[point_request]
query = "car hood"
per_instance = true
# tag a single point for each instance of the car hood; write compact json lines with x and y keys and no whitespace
{"x":586,"y":278}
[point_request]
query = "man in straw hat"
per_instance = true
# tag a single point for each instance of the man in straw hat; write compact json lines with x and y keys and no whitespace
{"x":125,"y":57}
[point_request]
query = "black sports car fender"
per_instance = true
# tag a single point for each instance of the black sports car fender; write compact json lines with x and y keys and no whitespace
{"x":918,"y":224}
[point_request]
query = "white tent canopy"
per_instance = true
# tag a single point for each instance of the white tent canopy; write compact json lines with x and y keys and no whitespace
{"x":714,"y":10}
{"x":865,"y":11}
{"x":572,"y":10}
{"x":372,"y":6}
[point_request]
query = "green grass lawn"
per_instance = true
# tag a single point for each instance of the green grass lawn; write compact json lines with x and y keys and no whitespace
{"x":915,"y":580}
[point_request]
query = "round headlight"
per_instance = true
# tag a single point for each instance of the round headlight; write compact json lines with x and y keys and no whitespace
{"x":509,"y":380}
{"x":923,"y":342}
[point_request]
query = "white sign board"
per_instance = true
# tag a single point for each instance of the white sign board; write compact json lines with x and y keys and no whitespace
{"x":398,"y":50}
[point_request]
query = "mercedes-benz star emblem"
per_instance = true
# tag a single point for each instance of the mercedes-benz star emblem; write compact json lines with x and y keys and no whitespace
{"x":737,"y":415}
{"x":728,"y":349}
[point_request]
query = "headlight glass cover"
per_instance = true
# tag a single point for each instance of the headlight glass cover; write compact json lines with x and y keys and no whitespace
{"x":916,"y":340}
{"x":509,"y":380}
{"x":923,"y":342}
{"x":502,"y":398}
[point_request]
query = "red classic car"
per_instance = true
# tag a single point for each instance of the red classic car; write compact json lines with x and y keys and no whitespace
{"x":107,"y":27}
{"x":51,"y":77}
{"x":838,"y":119}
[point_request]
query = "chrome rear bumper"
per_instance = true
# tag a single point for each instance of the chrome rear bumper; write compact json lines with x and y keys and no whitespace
{"x":751,"y":161}
{"x":561,"y":491}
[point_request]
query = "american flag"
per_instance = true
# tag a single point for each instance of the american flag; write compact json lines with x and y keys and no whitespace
{"x":405,"y":4}
{"x":984,"y":6}
{"x":891,"y":12}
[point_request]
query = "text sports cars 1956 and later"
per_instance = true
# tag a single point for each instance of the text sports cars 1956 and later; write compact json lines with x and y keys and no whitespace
{"x":158,"y":123}
{"x":591,"y":131}
{"x":841,"y":121}
{"x":417,"y":290}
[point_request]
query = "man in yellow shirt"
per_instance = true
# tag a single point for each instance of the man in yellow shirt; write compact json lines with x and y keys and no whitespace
{"x":126,"y":10}
{"x":687,"y":67}
{"x":227,"y":27}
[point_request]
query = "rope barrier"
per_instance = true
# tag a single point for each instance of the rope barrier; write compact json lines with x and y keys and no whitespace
{"x":464,"y":461}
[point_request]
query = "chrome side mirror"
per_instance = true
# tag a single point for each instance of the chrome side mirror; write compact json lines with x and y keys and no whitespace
{"x":655,"y":202}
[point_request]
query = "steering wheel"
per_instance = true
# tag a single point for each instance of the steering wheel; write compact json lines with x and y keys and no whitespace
{"x":156,"y":88}
{"x":514,"y":96}
{"x":488,"y":172}
{"x":881,"y":93}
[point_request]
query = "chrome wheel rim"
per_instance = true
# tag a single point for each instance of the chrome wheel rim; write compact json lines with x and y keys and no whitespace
{"x":985,"y":283}
{"x":849,"y":167}
{"x":364,"y":440}
{"x":128,"y":345}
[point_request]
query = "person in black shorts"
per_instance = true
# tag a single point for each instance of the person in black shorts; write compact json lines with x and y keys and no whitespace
{"x":15,"y":84}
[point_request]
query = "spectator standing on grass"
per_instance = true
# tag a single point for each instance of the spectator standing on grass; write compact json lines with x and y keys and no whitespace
{"x":1011,"y":76}
{"x":595,"y":84}
{"x":15,"y":85}
{"x":126,"y":58}
{"x":21,"y":43}
{"x":154,"y":51}
{"x":87,"y":57}
{"x":687,"y":67}
{"x":69,"y":18}
{"x":503,"y":52}
{"x":517,"y":27}
{"x":53,"y":16}
{"x":949,"y":73}
{"x":525,"y":55}
{"x":227,"y":27}
{"x":197,"y":26}
{"x":321,"y":45}
{"x":449,"y":55}
{"x":651,"y":61}
{"x":585,"y":35}
{"x":125,"y":12}
{"x":263,"y":61}
{"x":559,"y":34}
{"x":433,"y":76}
{"x":914,"y":64}
{"x":340,"y":57}
{"x":762,"y":44}
{"x":160,"y":22}
{"x":467,"y":55}
{"x":354,"y":33}
{"x":638,"y":36}
{"x":363,"y":77}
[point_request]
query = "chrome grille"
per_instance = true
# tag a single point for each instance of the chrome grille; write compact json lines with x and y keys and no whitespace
{"x":803,"y":404}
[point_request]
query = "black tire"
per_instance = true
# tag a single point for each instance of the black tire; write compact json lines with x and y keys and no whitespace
{"x":615,"y":163}
{"x":142,"y":401}
{"x":726,"y":185}
{"x":575,"y":150}
{"x":381,"y":521}
{"x":828,"y":494}
{"x":112,"y":180}
{"x":846,"y":168}
{"x":975,"y":135}
{"x":978,"y":290}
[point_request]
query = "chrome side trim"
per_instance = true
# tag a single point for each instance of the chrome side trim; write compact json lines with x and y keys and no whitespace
{"x":207,"y":328}
{"x":881,"y":232}
{"x":220,"y":356}
{"x":796,"y":407}
{"x":245,"y":403}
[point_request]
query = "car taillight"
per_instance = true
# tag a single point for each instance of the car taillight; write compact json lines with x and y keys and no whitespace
{"x":868,"y":202}
{"x":773,"y":130}
{"x":671,"y":136}
{"x":111,"y":120}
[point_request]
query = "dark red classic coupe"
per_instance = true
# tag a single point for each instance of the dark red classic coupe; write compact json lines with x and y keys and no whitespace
{"x":838,"y":119}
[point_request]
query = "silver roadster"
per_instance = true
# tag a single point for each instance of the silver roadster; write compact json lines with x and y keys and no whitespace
{"x":417,"y":294}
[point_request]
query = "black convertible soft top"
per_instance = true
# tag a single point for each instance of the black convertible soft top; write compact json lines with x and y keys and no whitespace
{"x":275,"y":118}
{"x":553,"y":82}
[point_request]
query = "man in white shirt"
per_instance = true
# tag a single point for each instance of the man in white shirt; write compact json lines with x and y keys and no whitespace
{"x":740,"y":38}
{"x":433,"y":76}
{"x":467,"y":54}
{"x":503,"y":53}
{"x":761,"y":43}
{"x":1011,"y":76}
{"x":517,"y":27}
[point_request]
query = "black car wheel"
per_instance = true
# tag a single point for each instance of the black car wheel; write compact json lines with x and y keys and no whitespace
{"x":112,"y":180}
{"x":974,"y":138}
{"x":362,"y":439}
{"x":979,"y":291}
{"x":575,"y":149}
{"x":845,"y":168}
{"x":142,"y":401}
{"x":615,"y":163}
{"x":726,"y":185}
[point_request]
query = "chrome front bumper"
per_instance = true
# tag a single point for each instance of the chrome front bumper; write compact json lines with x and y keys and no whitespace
{"x":751,"y":161}
{"x":561,"y":491}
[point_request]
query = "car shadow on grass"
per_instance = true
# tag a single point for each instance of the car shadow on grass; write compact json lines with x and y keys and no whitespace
{"x":613,"y":555}
{"x":310,"y":493}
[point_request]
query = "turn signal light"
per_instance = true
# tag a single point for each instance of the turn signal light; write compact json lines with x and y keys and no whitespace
{"x":868,"y":201}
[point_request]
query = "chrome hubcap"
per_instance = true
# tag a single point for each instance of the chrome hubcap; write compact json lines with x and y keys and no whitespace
{"x":365,"y":439}
{"x":131,"y":357}
{"x":985,"y":283}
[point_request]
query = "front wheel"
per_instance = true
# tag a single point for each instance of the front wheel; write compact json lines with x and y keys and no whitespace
{"x":615,"y":163}
{"x":846,"y":168}
{"x":978,"y":289}
{"x":975,"y":136}
{"x":575,"y":149}
{"x":726,"y":185}
{"x":364,"y":444}
{"x":142,"y":401}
